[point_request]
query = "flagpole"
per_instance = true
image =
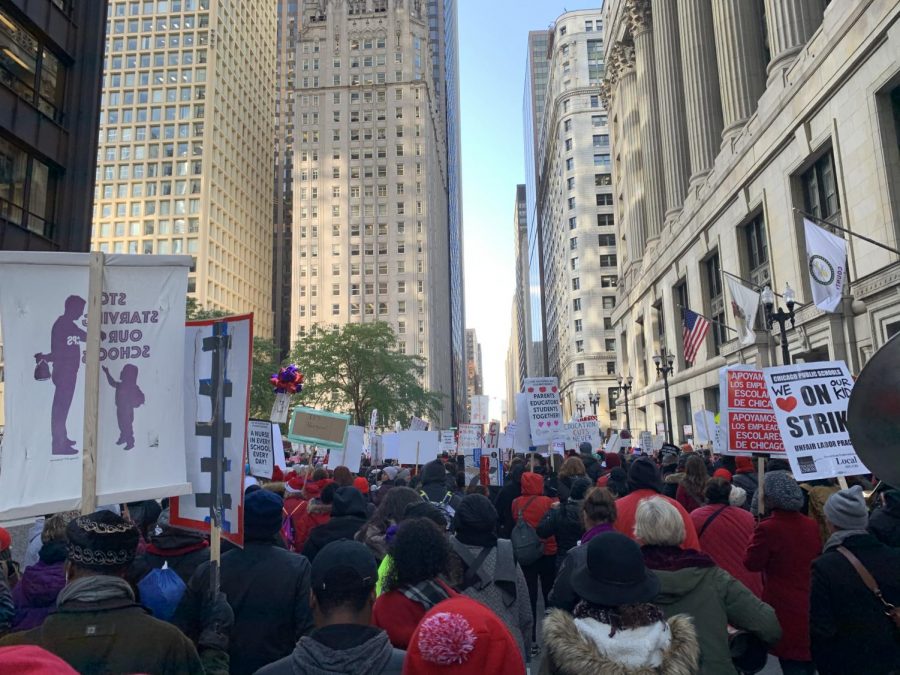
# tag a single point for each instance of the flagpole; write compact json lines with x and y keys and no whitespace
{"x":850,"y":232}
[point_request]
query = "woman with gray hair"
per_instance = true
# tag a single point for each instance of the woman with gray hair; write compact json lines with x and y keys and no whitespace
{"x":692,"y":584}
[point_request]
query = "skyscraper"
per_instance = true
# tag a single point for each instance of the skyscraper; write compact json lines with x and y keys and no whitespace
{"x":575,"y":215}
{"x":474,"y":371}
{"x":372,"y":239}
{"x":521,"y":305}
{"x":186,"y":155}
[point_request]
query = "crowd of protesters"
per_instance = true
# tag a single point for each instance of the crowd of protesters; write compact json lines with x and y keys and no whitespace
{"x":594,"y":563}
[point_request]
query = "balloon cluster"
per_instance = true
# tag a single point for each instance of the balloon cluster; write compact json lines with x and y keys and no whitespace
{"x":288,"y":380}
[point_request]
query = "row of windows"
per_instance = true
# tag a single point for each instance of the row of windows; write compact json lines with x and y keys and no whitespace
{"x":148,"y":7}
{"x":367,"y":288}
{"x":147,"y":228}
{"x":152,"y":246}
{"x":368,"y":249}
{"x":355,"y":229}
{"x":150,"y":170}
{"x":367,"y":269}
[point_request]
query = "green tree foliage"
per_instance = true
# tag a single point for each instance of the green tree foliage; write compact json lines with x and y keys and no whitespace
{"x":265,"y":362}
{"x":357,"y":368}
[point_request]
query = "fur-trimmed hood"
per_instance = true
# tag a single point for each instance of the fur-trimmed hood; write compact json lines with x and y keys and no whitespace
{"x":575,"y":649}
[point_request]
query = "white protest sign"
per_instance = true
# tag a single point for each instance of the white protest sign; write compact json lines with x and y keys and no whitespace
{"x":192,"y":511}
{"x":658,"y":441}
{"x":260,"y":448}
{"x":418,"y":424}
{"x":612,"y":445}
{"x":522,"y":436}
{"x":351,"y":454}
{"x":469,"y":438}
{"x":448,"y":441}
{"x":704,"y":426}
{"x":140,"y":443}
{"x":558,"y":447}
{"x":544,"y":411}
{"x":278,"y":446}
{"x":480,"y":410}
{"x":583,"y":432}
{"x":492,"y":438}
{"x":411,"y":447}
{"x":506,"y":441}
{"x":646,"y":442}
{"x":811,"y":408}
{"x":747,"y":418}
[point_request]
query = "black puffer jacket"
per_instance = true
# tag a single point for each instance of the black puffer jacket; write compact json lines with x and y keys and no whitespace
{"x":564,"y":521}
{"x":884,"y":523}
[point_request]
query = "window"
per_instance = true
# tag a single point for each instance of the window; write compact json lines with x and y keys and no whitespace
{"x":606,"y":220}
{"x":571,"y":202}
{"x":610,"y":344}
{"x":757,"y":251}
{"x":607,"y":323}
{"x":574,"y":263}
{"x":567,"y":125}
{"x":570,"y":164}
{"x":604,"y":199}
{"x":609,"y":281}
{"x":577,"y":325}
{"x":26,"y":189}
{"x":601,"y":159}
{"x":576,"y":284}
{"x":579,"y":369}
{"x":579,"y":346}
{"x":606,"y":240}
{"x":820,"y":196}
{"x":570,"y":183}
{"x":598,"y":121}
{"x":602,"y":179}
{"x":609,"y":302}
{"x":608,"y":260}
{"x":576,"y":305}
{"x":595,"y":101}
{"x":601,"y":140}
{"x":716,"y":301}
{"x":29,"y":69}
{"x":573,"y":243}
{"x":568,"y":144}
{"x":573,"y":223}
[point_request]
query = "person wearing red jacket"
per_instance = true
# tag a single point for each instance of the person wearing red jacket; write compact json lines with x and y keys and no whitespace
{"x":531,"y":507}
{"x":644,"y":481}
{"x":725,"y":532}
{"x":307,"y":514}
{"x":783,"y":548}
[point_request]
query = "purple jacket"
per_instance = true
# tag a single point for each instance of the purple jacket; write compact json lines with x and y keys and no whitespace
{"x":35,"y":594}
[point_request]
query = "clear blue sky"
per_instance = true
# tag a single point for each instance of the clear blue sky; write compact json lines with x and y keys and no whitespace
{"x":493,"y":37}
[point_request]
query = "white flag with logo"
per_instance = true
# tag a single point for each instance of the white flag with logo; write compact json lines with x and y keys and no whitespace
{"x":744,"y":305}
{"x":826,"y":256}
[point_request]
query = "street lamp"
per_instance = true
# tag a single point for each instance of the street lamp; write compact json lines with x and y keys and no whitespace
{"x":594,"y":400}
{"x":625,"y":384}
{"x":780,"y":317}
{"x":579,"y":406}
{"x":664,"y":366}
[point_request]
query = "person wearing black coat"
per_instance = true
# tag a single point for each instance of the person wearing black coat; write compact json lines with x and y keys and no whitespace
{"x":849,"y":631}
{"x":348,"y":515}
{"x":511,"y":490}
{"x":884,"y":523}
{"x":182,"y":550}
{"x":564,"y":521}
{"x":266,"y":585}
{"x":591,"y":464}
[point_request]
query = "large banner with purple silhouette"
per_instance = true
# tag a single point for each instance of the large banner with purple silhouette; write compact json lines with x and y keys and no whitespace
{"x":192,"y":511}
{"x":43,"y":310}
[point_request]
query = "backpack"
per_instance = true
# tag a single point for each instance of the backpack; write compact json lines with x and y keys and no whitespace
{"x":161,"y":591}
{"x":527,"y":545}
{"x":287,"y":527}
{"x":444,"y":506}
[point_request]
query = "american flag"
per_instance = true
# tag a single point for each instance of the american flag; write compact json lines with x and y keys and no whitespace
{"x":695,"y":329}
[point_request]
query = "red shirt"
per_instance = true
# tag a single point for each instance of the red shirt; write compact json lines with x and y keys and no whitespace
{"x":626,"y":508}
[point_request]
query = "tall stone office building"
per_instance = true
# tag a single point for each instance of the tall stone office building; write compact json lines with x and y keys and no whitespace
{"x":186,"y":155}
{"x":374,"y":179}
{"x":729,"y":119}
{"x":574,"y":205}
{"x":50,"y":73}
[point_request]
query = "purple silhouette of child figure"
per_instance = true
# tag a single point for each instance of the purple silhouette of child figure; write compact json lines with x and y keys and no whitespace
{"x":66,"y":337}
{"x":128,"y":397}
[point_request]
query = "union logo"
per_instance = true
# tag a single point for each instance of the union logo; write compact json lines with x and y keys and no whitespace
{"x":821,"y":270}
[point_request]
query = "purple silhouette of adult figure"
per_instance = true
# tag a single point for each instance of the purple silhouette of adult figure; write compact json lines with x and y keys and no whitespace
{"x":66,"y":337}
{"x":128,"y":397}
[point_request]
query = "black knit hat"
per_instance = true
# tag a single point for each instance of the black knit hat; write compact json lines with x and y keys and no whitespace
{"x":475,"y":513}
{"x":642,"y":474}
{"x":101,"y":541}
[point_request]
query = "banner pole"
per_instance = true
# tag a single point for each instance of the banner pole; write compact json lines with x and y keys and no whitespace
{"x":417,"y":458}
{"x":220,"y":344}
{"x":92,"y":385}
{"x":842,"y":481}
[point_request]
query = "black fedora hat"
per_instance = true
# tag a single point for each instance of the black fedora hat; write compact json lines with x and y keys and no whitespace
{"x":613,"y":573}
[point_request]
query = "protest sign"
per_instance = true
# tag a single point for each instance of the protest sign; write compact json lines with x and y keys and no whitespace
{"x":418,"y":424}
{"x":661,"y":428}
{"x":646,"y":442}
{"x":747,"y":417}
{"x":577,"y":433}
{"x":811,"y":402}
{"x":495,"y":468}
{"x":522,"y":437}
{"x":687,"y":430}
{"x":351,"y":454}
{"x":480,"y":410}
{"x":260,"y":448}
{"x":448,"y":441}
{"x":612,"y":445}
{"x":558,"y":447}
{"x":192,"y":511}
{"x":411,"y":447}
{"x":492,"y":438}
{"x":469,"y":438}
{"x":705,"y":425}
{"x":278,"y":445}
{"x":544,"y":411}
{"x":318,"y":427}
{"x":43,"y":309}
{"x":506,"y":441}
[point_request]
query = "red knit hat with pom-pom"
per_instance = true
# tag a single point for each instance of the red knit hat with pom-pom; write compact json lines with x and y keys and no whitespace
{"x":461,"y":636}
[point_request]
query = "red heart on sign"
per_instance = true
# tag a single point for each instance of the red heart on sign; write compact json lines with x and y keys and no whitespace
{"x":530,"y":389}
{"x":553,"y":389}
{"x":543,"y":389}
{"x":787,"y":404}
{"x":540,"y":424}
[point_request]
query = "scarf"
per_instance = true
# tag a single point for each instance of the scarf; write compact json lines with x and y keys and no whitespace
{"x":673,"y":558}
{"x":625,"y":617}
{"x":427,"y":593}
{"x":594,"y":531}
{"x":95,"y":589}
{"x":839,"y":537}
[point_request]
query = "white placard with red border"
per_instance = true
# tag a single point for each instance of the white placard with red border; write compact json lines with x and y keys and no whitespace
{"x":747,"y":418}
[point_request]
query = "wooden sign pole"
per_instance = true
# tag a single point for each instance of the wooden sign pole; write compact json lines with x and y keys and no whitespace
{"x":219,"y":345}
{"x":92,"y":386}
{"x":842,"y":481}
{"x":417,"y":458}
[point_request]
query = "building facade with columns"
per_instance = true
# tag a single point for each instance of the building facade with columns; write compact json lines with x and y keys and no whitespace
{"x":728,"y":119}
{"x":574,"y":204}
